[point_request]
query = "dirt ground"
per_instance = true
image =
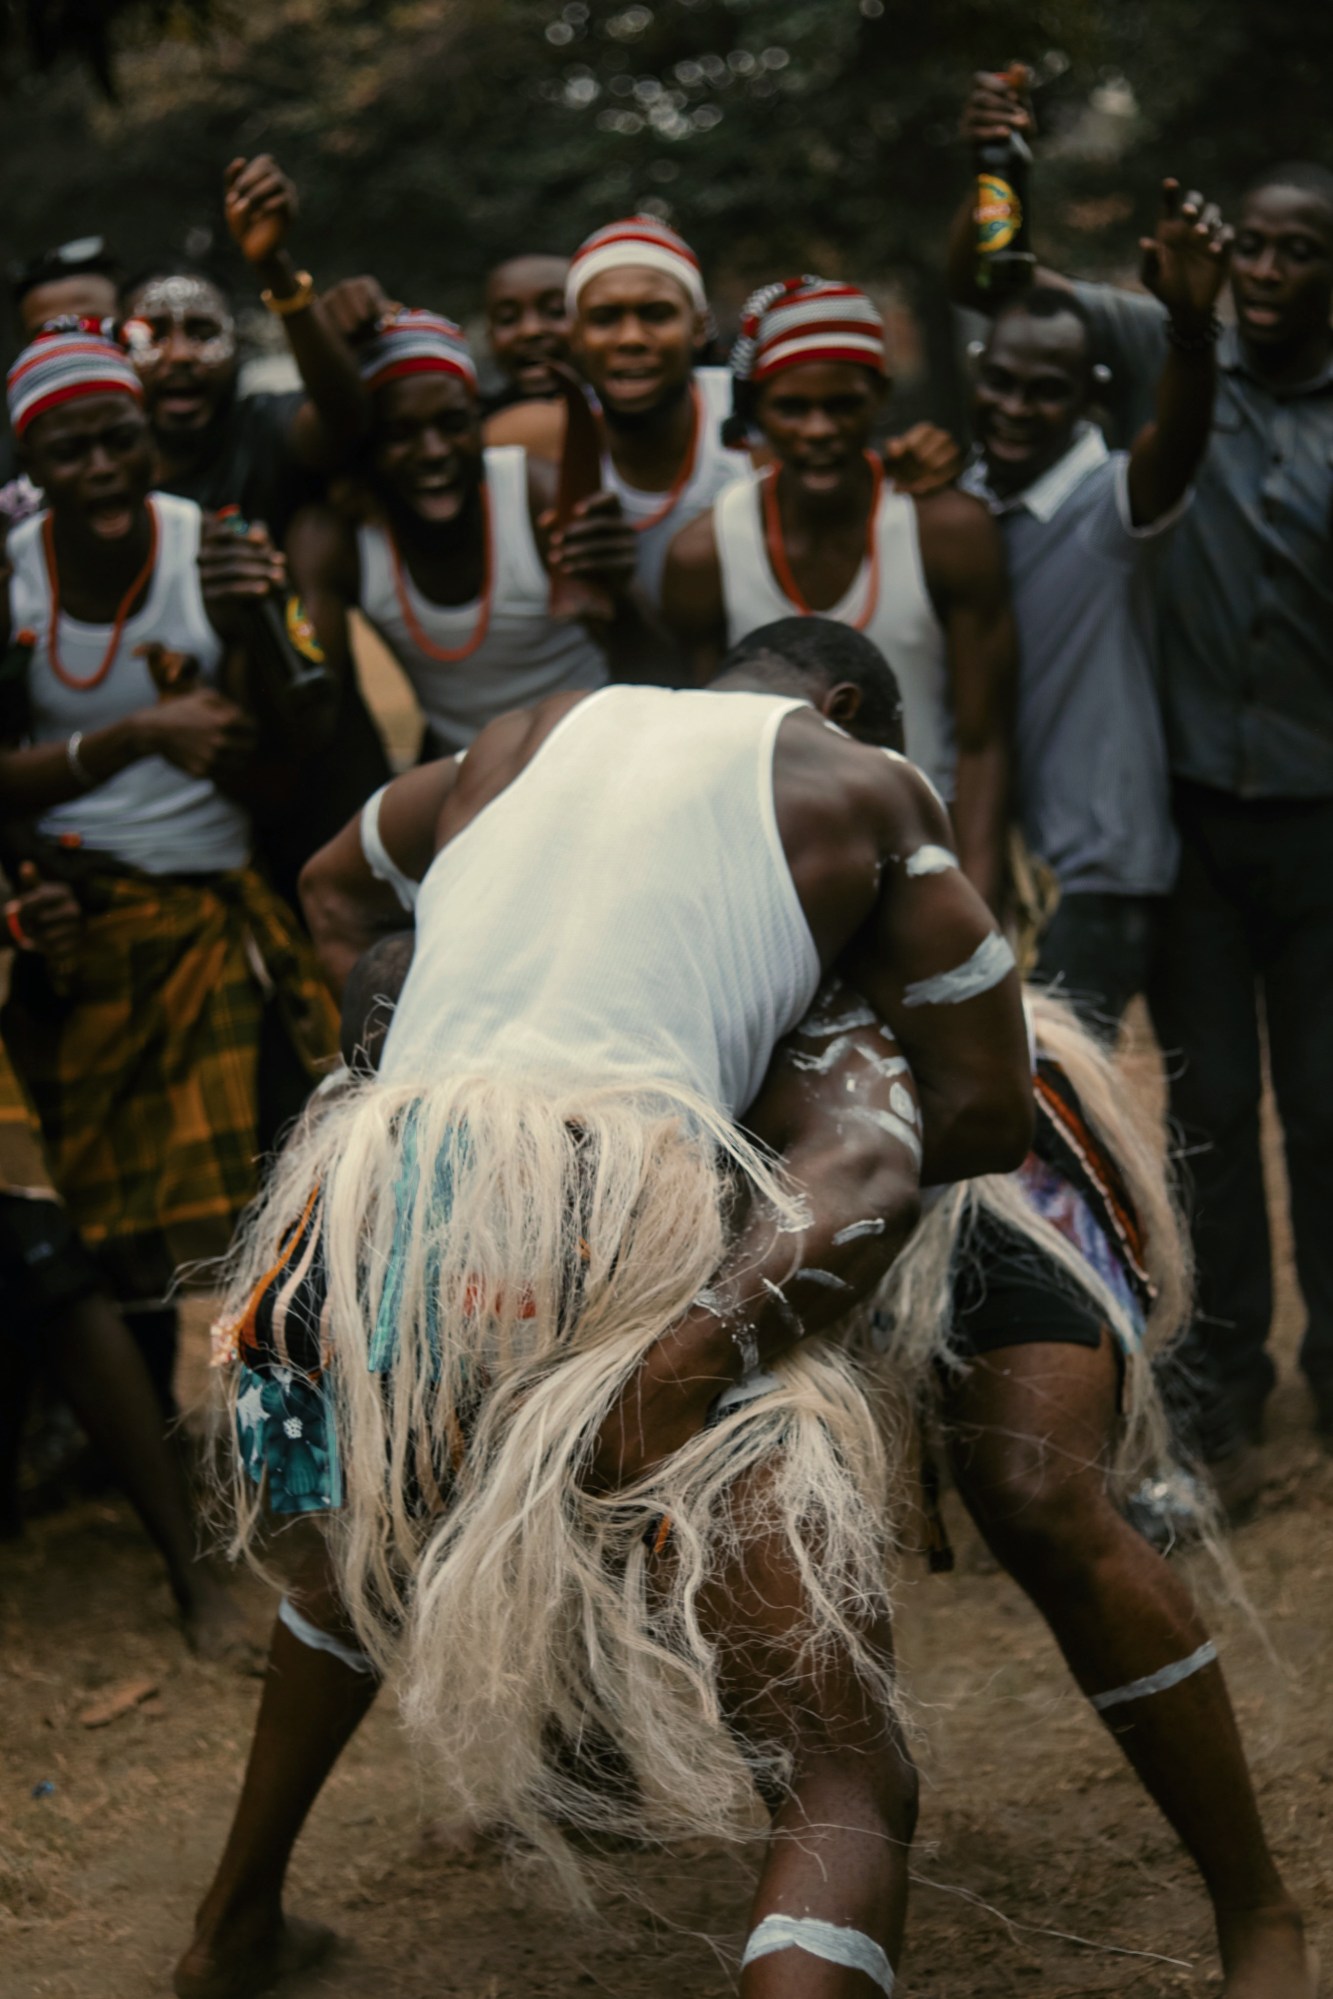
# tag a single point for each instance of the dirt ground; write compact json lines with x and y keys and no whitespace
{"x":1039,"y":1867}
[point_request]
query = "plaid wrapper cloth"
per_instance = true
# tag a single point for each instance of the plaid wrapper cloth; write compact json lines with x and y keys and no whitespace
{"x":21,"y":1164}
{"x":145,"y":1076}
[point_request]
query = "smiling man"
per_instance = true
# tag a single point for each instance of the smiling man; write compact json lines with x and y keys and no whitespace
{"x":826,"y":534}
{"x":527,"y":322}
{"x":450,"y":562}
{"x":1245,"y":630}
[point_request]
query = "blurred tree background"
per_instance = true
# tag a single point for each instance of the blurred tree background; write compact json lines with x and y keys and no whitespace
{"x":430,"y":136}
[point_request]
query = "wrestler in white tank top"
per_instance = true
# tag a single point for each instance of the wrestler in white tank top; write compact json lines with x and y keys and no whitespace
{"x":525,"y":655}
{"x":715,"y":467}
{"x":903,"y":625}
{"x":623,"y":912}
{"x":151,"y":815}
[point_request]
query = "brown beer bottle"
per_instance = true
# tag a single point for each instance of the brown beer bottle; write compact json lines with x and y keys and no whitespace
{"x":1005,"y":257}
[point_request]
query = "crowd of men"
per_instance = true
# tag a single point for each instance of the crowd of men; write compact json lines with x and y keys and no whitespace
{"x":652,"y":898}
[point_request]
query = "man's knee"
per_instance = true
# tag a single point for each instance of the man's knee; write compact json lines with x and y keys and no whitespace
{"x":1043,"y":1516}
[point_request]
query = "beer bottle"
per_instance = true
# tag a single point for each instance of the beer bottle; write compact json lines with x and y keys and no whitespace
{"x":286,"y":642}
{"x":1005,"y":258}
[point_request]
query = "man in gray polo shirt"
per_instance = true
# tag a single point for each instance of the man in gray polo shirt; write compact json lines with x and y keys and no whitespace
{"x":1083,"y":530}
{"x":1245,"y":624}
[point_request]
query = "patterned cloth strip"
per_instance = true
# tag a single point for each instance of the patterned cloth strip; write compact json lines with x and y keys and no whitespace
{"x":145,"y":1077}
{"x":412,"y":342}
{"x":636,"y":241}
{"x":1066,"y":1142}
{"x":807,"y":319}
{"x":57,"y":367}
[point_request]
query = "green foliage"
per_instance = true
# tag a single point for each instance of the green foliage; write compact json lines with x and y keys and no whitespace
{"x":430,"y":136}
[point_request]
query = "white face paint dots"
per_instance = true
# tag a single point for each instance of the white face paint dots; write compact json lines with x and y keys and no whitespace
{"x":185,"y":305}
{"x":990,"y":962}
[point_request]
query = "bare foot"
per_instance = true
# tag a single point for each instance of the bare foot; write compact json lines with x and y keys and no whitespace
{"x":218,"y":1627}
{"x":1265,"y":1955}
{"x":231,"y":1966}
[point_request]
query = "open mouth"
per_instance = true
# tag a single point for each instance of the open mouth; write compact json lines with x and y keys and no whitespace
{"x":1256,"y":313}
{"x":633,"y":383}
{"x":179,"y":402}
{"x":110,"y":518}
{"x":437,"y":499}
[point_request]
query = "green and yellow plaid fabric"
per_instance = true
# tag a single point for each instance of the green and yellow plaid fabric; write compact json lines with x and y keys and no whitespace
{"x":144,"y":1076}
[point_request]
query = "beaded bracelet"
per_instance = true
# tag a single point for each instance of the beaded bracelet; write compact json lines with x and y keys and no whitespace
{"x":1194,"y":343}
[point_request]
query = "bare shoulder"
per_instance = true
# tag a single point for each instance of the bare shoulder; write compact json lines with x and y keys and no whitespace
{"x":959,"y":536}
{"x":538,"y":426}
{"x":872,"y":786}
{"x":694,"y":548}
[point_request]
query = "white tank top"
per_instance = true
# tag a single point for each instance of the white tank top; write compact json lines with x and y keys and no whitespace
{"x":715,"y":466}
{"x":622,"y":912}
{"x":904,"y":625}
{"x":152,"y":815}
{"x":526,"y":653}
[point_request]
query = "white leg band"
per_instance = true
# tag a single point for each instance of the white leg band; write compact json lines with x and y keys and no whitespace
{"x":321,"y":1641}
{"x":851,"y":1948}
{"x":1157,"y":1683}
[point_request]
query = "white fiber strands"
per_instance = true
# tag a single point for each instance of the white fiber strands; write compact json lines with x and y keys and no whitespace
{"x":506,"y":1255}
{"x":916,"y":1297}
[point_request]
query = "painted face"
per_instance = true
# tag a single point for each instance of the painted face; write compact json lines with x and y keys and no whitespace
{"x":93,"y":459}
{"x":183,"y":342}
{"x":1282,"y":268}
{"x":427,"y":444}
{"x":82,"y":295}
{"x":527,"y":320}
{"x":635,"y":337}
{"x":1031,"y":391}
{"x":818,"y":418}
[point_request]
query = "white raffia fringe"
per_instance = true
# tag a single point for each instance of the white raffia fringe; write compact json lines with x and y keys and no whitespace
{"x":525,"y":1616}
{"x":917,"y":1294}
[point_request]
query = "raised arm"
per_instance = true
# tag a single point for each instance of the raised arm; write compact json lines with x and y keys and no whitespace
{"x":1184,"y":265}
{"x":260,"y":205}
{"x":353,"y":897}
{"x":963,"y":557}
{"x":935,"y":968}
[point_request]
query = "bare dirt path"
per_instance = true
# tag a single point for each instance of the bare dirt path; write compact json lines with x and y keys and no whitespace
{"x":1030,"y":1824}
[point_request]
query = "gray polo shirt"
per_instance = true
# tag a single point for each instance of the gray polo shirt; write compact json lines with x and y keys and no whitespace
{"x":1245,"y":595}
{"x":1090,"y":748}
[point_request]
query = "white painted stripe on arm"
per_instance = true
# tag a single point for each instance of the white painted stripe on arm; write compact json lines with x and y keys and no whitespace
{"x":990,"y":962}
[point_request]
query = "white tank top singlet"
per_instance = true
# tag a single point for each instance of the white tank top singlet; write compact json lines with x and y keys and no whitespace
{"x":151,"y":815}
{"x":715,"y":467}
{"x":904,"y":625}
{"x":622,"y":913}
{"x":526,"y":653}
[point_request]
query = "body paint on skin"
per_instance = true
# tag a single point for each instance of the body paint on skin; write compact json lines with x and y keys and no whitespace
{"x":855,"y":1230}
{"x":930,"y":860}
{"x":991,"y":962}
{"x":817,"y":1025}
{"x":824,"y":1277}
{"x":895,"y":1126}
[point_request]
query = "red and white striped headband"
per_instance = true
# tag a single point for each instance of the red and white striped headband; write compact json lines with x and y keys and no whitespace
{"x":639,"y":240}
{"x":416,"y":343}
{"x":807,"y":319}
{"x":63,"y":364}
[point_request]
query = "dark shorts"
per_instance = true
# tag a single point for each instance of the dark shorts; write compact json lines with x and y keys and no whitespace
{"x":1009,"y":1294}
{"x":44,"y":1268}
